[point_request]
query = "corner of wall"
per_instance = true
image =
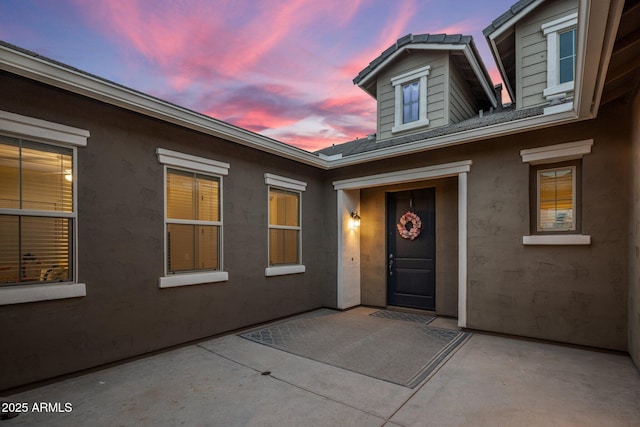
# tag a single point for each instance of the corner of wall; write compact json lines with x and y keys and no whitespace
{"x":634,"y":241}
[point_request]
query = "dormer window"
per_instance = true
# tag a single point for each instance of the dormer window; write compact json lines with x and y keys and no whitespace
{"x":410,"y":99}
{"x":410,"y":102}
{"x":561,"y":56}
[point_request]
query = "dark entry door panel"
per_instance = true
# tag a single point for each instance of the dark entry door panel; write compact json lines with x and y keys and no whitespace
{"x":411,"y":263}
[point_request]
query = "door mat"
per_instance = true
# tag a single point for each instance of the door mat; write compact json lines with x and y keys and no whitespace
{"x":407,"y":317}
{"x":402,"y":353}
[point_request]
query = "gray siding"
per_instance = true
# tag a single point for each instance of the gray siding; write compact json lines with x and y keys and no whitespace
{"x":461,"y":102}
{"x":436,"y":90}
{"x":531,"y":51}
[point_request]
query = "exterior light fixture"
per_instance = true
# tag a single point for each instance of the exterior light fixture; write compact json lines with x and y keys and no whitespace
{"x":355,"y":220}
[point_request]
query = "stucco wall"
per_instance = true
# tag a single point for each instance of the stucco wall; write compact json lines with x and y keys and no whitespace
{"x":120,"y":242}
{"x":373,"y":273}
{"x":575,"y":294}
{"x":634,"y":243}
{"x":572,"y":294}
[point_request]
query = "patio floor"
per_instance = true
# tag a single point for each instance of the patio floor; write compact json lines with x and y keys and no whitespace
{"x":232,"y":381}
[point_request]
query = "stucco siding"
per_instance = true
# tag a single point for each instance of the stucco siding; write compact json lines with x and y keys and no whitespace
{"x":574,"y":294}
{"x":565,"y":293}
{"x":634,"y":243}
{"x":531,"y":51}
{"x":436,"y":83}
{"x":121,"y":240}
{"x":461,"y":102}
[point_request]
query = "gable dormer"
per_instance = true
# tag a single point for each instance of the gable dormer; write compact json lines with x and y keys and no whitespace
{"x":534,"y":44}
{"x":426,"y":81}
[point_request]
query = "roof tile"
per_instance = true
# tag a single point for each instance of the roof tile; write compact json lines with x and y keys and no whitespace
{"x":411,"y":39}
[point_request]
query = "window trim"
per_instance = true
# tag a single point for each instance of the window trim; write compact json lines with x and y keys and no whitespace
{"x":42,"y":131}
{"x":397,"y":83}
{"x":551,"y":31}
{"x":187,"y":162}
{"x":557,"y":154}
{"x":287,"y":184}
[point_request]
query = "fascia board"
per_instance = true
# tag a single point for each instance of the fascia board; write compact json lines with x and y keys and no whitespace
{"x":487,"y":132}
{"x":598,"y":22}
{"x":494,"y":52}
{"x":514,"y":19}
{"x":84,"y":84}
{"x":497,"y":33}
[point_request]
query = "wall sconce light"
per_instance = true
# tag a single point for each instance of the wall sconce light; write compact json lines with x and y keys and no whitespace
{"x":68,"y":175}
{"x":355,"y":220}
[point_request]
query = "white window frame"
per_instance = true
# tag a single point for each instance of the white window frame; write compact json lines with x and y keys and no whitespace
{"x":282,"y":183}
{"x":555,"y":154}
{"x":552,"y":30}
{"x":397,"y":82}
{"x":176,"y":160}
{"x":42,"y":131}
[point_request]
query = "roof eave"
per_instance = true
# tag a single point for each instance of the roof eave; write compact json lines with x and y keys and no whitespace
{"x":491,"y":33}
{"x":598,"y":24}
{"x":54,"y":74}
{"x":459,"y":138}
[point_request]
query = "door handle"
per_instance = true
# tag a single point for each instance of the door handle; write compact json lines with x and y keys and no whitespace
{"x":390,"y":264}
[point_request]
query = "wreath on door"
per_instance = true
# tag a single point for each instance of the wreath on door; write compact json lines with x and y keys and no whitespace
{"x":416,"y":226}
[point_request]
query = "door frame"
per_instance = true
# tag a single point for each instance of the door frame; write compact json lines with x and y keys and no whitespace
{"x":348,"y":200}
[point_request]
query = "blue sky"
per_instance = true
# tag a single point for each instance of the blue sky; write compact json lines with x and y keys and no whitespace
{"x":280,"y":68}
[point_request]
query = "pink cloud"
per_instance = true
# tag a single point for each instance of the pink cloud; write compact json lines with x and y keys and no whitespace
{"x":264,"y":66}
{"x":386,"y":36}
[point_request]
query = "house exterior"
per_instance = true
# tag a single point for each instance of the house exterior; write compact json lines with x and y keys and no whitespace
{"x":129,"y":224}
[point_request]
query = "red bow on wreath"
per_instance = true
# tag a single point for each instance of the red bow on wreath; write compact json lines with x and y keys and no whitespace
{"x":416,"y":226}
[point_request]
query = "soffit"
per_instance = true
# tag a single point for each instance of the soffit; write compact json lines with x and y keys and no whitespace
{"x":623,"y":75}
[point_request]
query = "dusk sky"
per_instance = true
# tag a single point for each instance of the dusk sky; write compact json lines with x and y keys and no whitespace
{"x":283,"y":69}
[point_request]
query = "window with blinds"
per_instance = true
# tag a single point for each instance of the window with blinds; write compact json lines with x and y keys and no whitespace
{"x":37,"y":212}
{"x":193,"y":222}
{"x":284,"y":227}
{"x":556,"y":199}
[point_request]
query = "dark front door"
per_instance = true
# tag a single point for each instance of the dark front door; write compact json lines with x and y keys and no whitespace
{"x":411,"y":263}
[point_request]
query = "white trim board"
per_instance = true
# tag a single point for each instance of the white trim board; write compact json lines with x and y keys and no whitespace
{"x":196,"y":163}
{"x":46,"y":292}
{"x":408,"y":175}
{"x":38,"y":130}
{"x":557,"y":153}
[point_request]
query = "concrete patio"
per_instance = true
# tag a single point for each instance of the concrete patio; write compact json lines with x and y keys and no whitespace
{"x":231,"y":381}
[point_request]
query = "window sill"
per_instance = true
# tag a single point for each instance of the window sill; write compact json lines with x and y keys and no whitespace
{"x":32,"y":293}
{"x":188,"y":279}
{"x":284,"y":269}
{"x":566,"y":239}
{"x":409,"y":126}
{"x":561,"y":90}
